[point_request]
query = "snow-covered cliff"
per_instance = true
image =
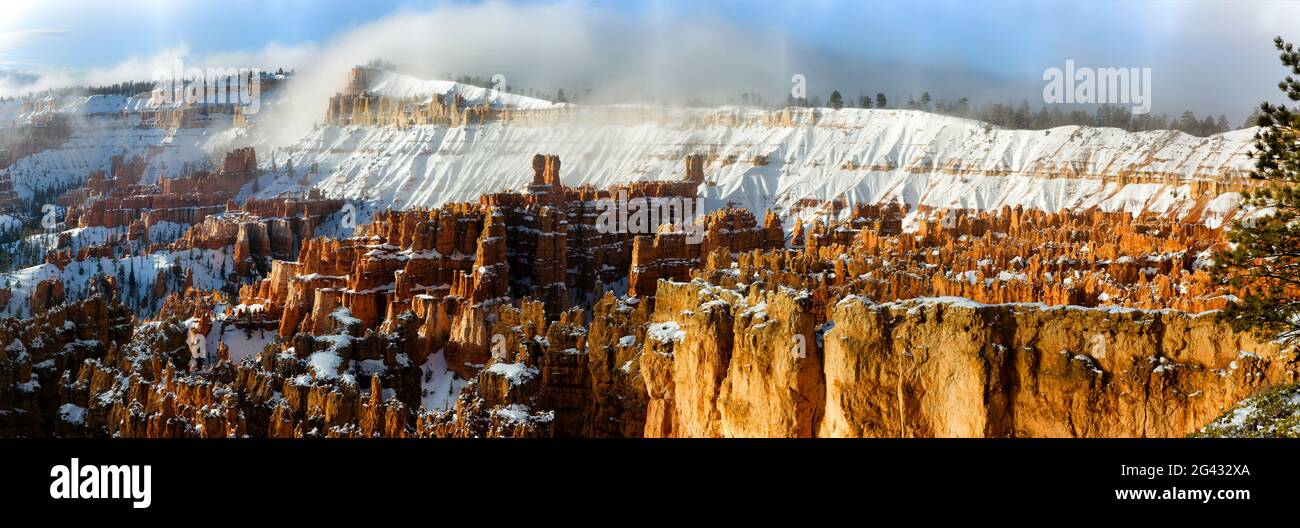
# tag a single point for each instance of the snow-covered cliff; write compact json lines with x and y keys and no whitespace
{"x":774,"y":160}
{"x":789,"y":161}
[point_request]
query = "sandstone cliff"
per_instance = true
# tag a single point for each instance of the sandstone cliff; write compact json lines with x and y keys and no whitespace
{"x":521,"y":315}
{"x":729,"y":363}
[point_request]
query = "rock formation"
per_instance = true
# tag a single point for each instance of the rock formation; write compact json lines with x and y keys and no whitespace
{"x":531,"y":313}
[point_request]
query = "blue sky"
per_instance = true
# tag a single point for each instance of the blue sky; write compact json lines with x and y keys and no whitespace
{"x":95,"y":33}
{"x":1206,"y":54}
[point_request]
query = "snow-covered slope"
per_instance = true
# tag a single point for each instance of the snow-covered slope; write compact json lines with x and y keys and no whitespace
{"x":858,"y":155}
{"x":759,"y":159}
{"x":170,"y":153}
{"x":392,"y":84}
{"x":135,"y":275}
{"x":116,"y":104}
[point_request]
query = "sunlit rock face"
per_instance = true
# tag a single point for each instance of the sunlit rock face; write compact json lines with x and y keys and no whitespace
{"x":851,"y":273}
{"x":731,"y":364}
{"x":491,"y":319}
{"x":955,"y":368}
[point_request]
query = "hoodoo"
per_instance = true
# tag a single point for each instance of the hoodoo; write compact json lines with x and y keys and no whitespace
{"x":443,"y":259}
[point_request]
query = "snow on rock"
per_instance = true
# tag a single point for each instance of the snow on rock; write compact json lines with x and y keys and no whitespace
{"x":438,"y":386}
{"x":517,"y":412}
{"x":862,"y":155}
{"x":1272,"y":414}
{"x":515,"y":373}
{"x":170,"y":153}
{"x":324,"y":364}
{"x":1219,"y":207}
{"x":665,"y":332}
{"x":344,"y":316}
{"x":209,"y":266}
{"x":9,"y":223}
{"x":241,"y":343}
{"x":72,"y":413}
{"x":393,"y":84}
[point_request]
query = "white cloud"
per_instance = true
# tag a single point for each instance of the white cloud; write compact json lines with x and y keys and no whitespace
{"x":12,"y":38}
{"x":142,"y":68}
{"x":1208,"y":56}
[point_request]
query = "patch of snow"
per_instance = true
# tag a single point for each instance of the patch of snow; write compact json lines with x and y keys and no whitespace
{"x":439,"y":387}
{"x":324,"y":364}
{"x":72,"y":413}
{"x":665,"y":332}
{"x":515,"y":373}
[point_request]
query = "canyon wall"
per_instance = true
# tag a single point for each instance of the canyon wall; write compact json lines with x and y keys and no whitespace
{"x":472,"y":320}
{"x":753,"y":364}
{"x":429,"y":143}
{"x":707,"y":361}
{"x":497,"y":312}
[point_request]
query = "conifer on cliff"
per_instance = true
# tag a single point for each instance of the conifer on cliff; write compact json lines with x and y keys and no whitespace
{"x":1264,"y":254}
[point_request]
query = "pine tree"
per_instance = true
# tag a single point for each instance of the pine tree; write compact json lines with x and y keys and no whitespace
{"x":881,"y":102}
{"x":1187,"y":123}
{"x":1265,"y":254}
{"x":1207,"y":126}
{"x":836,"y":101}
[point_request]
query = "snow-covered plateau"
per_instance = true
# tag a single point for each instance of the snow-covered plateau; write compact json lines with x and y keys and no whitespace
{"x":850,"y":155}
{"x":759,"y":159}
{"x":792,"y":161}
